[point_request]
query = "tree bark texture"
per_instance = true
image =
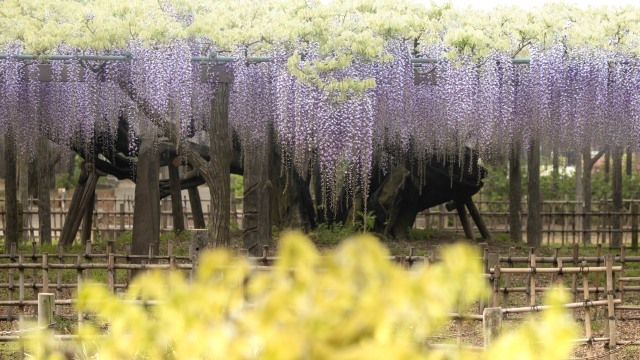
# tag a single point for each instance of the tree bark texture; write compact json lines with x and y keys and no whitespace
{"x":534,"y":197}
{"x":23,"y":187}
{"x":464,"y":220}
{"x":10,"y":192}
{"x":515,"y":195}
{"x":87,"y":219}
{"x":196,"y":209}
{"x":589,"y":162}
{"x":80,"y":202}
{"x":616,"y":156}
{"x":217,"y":177}
{"x":146,"y":213}
{"x":176,"y":201}
{"x":256,"y":221}
{"x":45,"y":171}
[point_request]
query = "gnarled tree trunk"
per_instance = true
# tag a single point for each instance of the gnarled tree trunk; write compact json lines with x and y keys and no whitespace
{"x":534,"y":201}
{"x":515,"y":195}
{"x":10,"y":192}
{"x":146,"y":213}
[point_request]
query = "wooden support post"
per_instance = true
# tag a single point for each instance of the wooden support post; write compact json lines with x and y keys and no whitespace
{"x":196,"y":209}
{"x":122,"y":219}
{"x":199,"y":242}
{"x":59,"y":280}
{"x":127,"y":252}
{"x":45,"y":273}
{"x":560,"y":275}
{"x":79,"y":277}
{"x":45,"y":318}
{"x":464,"y":220}
{"x":87,"y":255}
{"x":608,"y":260}
{"x":441,"y":217}
{"x":532,"y":278}
{"x":491,"y":325}
{"x":620,"y":283}
{"x":477,"y":218}
{"x":634,"y":226}
{"x":507,"y":280}
{"x":494,"y":262}
{"x":12,"y":258}
{"x":587,"y":310}
{"x":484,"y":248}
{"x":176,"y":201}
{"x":574,"y":279}
{"x":111,"y":274}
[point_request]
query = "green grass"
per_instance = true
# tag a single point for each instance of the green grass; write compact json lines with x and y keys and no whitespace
{"x":422,"y":234}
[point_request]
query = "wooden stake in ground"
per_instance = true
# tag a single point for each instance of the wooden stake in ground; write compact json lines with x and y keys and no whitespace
{"x":587,"y":310}
{"x":608,"y":260}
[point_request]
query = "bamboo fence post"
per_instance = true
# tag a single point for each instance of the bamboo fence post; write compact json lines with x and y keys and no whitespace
{"x":172,"y":261}
{"x":45,"y":273}
{"x":59,"y":279}
{"x":532,"y":278}
{"x":127,"y":252}
{"x":555,"y":262}
{"x":491,"y":325}
{"x":34,"y":274}
{"x":121,"y":219}
{"x":79,"y":279}
{"x":598,"y":263}
{"x":111,"y":276}
{"x":620,"y":283}
{"x":21,"y":289}
{"x":265,"y":254}
{"x":560,"y":275}
{"x":587,"y":310}
{"x":12,"y":259}
{"x":494,"y":261}
{"x":573,"y":225}
{"x":507,"y":280}
{"x":634,"y":226}
{"x":87,"y":255}
{"x":609,"y":259}
{"x":551,"y":219}
{"x":603,"y":213}
{"x":485,"y":263}
{"x":574,"y":276}
{"x":45,"y":318}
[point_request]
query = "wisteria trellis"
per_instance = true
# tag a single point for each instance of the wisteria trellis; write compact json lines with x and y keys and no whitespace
{"x":567,"y":100}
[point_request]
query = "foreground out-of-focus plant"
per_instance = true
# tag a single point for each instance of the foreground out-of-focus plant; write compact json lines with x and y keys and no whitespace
{"x":352,"y":304}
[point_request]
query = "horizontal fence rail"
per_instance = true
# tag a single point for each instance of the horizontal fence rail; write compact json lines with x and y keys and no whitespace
{"x":505,"y":274}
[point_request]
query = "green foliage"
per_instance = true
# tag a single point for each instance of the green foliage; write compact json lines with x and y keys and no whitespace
{"x":500,"y":237}
{"x":352,"y":304}
{"x":368,"y":220}
{"x":237,"y":185}
{"x":68,"y":181}
{"x":422,"y":234}
{"x":331,"y":234}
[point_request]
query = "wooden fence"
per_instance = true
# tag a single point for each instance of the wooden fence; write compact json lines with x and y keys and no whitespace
{"x":608,"y":290}
{"x":111,"y":216}
{"x":562,"y":220}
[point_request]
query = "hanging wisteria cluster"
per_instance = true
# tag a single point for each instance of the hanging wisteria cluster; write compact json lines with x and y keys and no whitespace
{"x":566,"y":101}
